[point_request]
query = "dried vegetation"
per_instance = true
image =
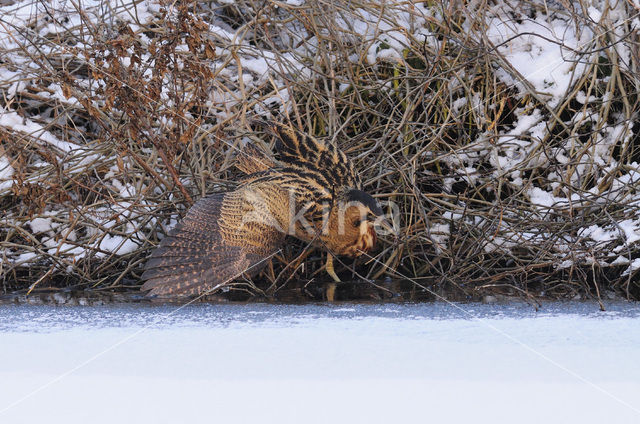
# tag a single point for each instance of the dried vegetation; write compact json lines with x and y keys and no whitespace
{"x":123,"y":119}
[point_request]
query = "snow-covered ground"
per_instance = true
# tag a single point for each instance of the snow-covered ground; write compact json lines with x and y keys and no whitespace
{"x":344,"y":363}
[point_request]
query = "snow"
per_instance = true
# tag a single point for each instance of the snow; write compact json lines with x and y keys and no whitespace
{"x":26,"y":257}
{"x":40,"y":225}
{"x":525,"y":122}
{"x":439,"y":234}
{"x":459,"y":104}
{"x":620,"y":260}
{"x":548,"y":49}
{"x":594,"y":14}
{"x":541,"y":50}
{"x":631,"y":230}
{"x":6,"y":172}
{"x":582,"y":98}
{"x":11,"y":119}
{"x":635,"y":265}
{"x":117,"y":245}
{"x":386,"y":35}
{"x":340,"y":363}
{"x":452,"y":215}
{"x":542,"y":198}
{"x":598,"y":233}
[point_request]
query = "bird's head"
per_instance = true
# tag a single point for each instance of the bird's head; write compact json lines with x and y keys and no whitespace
{"x":351,"y":223}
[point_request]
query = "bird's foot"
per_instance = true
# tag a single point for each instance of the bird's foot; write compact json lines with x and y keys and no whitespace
{"x":331,"y":287}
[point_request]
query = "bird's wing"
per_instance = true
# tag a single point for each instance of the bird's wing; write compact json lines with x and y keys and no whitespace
{"x":302,"y":151}
{"x":251,"y":160}
{"x":222,"y":237}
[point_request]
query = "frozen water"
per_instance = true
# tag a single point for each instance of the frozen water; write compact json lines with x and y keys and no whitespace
{"x":320,"y":363}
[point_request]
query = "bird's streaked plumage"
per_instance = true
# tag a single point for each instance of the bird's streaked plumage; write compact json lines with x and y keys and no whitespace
{"x":311,"y":192}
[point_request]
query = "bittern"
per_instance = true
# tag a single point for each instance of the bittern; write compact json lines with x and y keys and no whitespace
{"x":311,"y":192}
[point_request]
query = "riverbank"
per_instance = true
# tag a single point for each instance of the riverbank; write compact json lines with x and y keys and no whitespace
{"x":502,"y":139}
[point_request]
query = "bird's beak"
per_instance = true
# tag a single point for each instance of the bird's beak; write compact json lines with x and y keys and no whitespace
{"x":386,"y":226}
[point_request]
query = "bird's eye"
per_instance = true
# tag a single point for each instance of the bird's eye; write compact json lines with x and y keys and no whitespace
{"x":356,"y":223}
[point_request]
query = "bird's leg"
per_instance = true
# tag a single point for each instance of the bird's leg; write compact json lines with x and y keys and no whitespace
{"x":329,"y":267}
{"x":331,"y":287}
{"x":272,"y":278}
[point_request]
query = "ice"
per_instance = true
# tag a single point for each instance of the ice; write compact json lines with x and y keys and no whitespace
{"x":277,"y":363}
